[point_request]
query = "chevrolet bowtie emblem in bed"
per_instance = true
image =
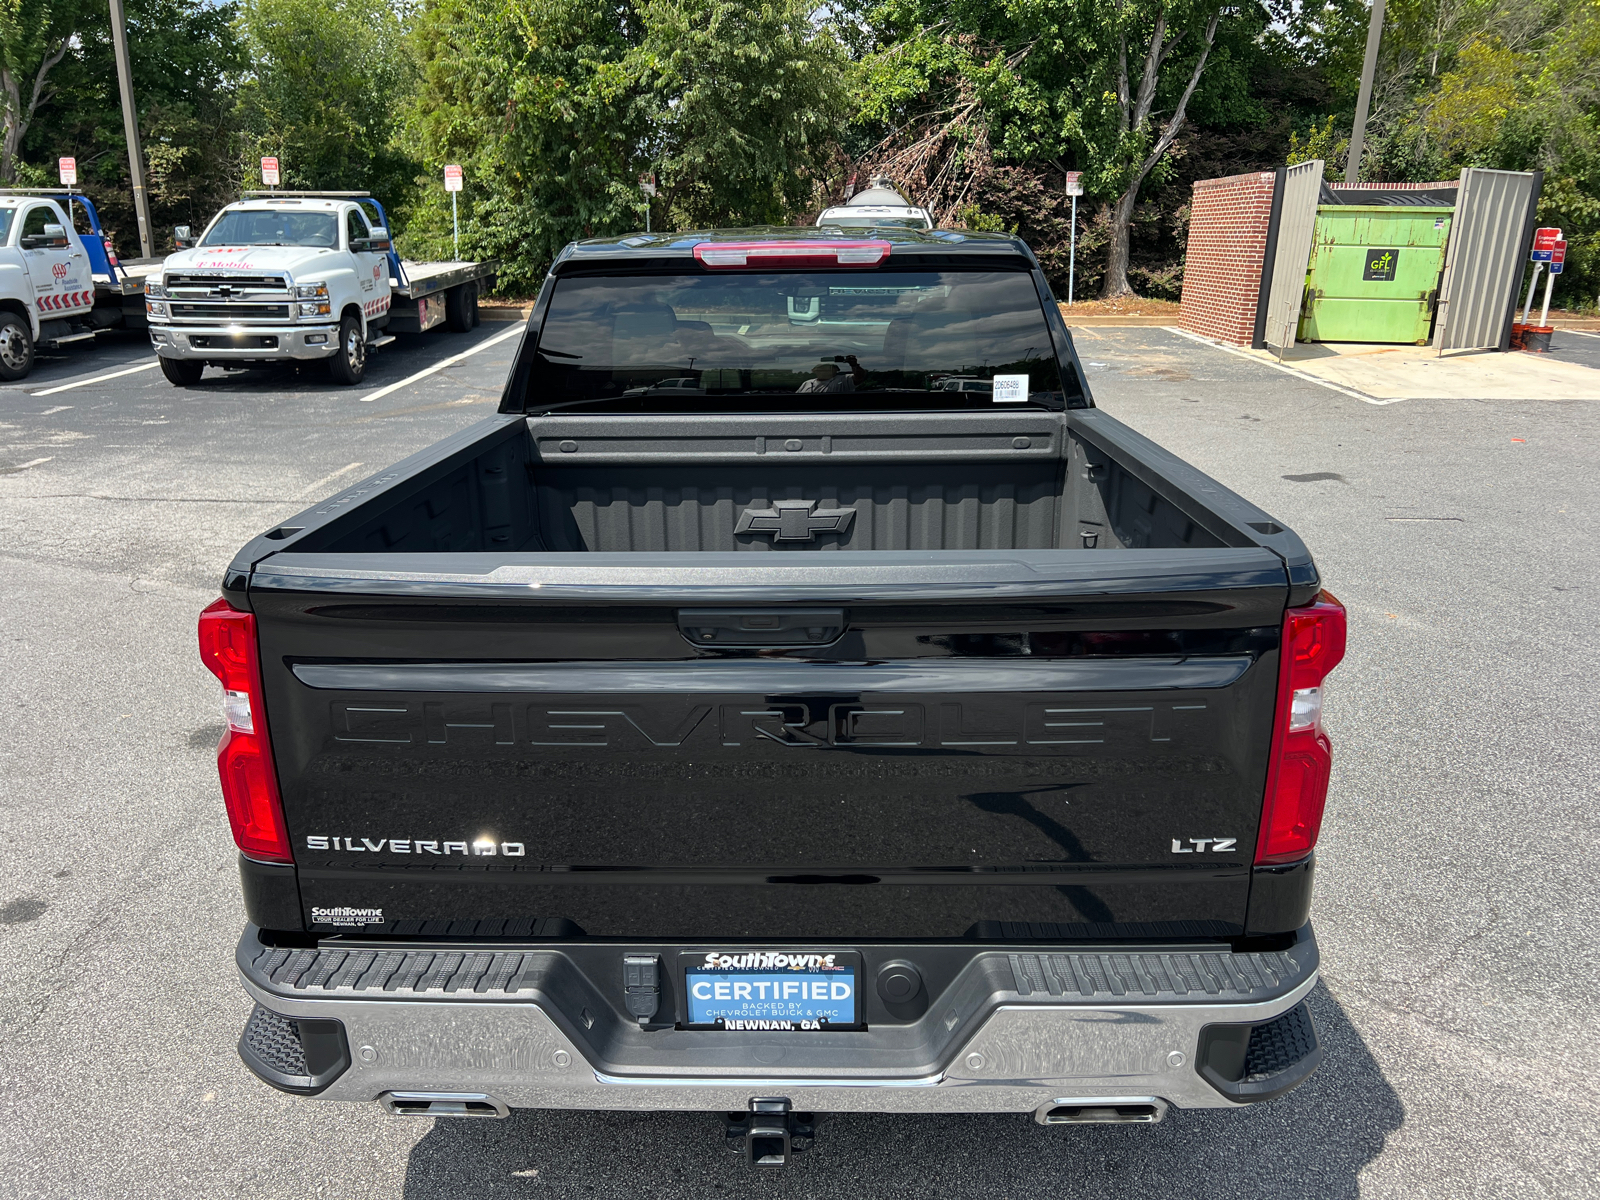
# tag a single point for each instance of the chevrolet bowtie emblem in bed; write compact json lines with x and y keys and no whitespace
{"x":795,"y":520}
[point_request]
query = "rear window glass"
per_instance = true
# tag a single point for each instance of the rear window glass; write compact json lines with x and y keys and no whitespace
{"x":868,"y":336}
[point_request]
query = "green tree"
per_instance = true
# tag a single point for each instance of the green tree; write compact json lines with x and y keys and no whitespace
{"x":185,"y":59}
{"x":35,"y":35}
{"x":328,"y":84}
{"x":978,"y":106}
{"x":555,"y":108}
{"x":1142,"y":136}
{"x":742,"y":103}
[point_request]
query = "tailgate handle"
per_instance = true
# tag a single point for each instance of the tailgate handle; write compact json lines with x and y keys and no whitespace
{"x":761,"y":626}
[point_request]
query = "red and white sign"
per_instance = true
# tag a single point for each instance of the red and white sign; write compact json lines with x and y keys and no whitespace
{"x":269,"y":172}
{"x":1546,"y":239}
{"x":69,"y":171}
{"x":1558,"y":252}
{"x":452,"y":177}
{"x":1074,"y":183}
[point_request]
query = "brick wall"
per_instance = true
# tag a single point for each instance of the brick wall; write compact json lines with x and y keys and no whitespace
{"x":1228,"y":221}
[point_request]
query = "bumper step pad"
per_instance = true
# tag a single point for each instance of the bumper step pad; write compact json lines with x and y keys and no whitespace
{"x":275,"y":1042}
{"x":1160,"y":976}
{"x":1153,"y":975}
{"x":298,"y":1055}
{"x":1280,"y":1045}
{"x":1251,"y":1063}
{"x":448,"y":971}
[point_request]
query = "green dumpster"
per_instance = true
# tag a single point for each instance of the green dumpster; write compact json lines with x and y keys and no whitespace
{"x":1374,"y":273}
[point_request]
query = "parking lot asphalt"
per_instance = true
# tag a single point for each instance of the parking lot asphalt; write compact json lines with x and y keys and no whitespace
{"x":1456,"y":893}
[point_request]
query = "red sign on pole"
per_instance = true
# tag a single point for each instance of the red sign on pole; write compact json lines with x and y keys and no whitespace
{"x":69,"y":171}
{"x":269,"y":172}
{"x":452,"y":177}
{"x":1074,"y":183}
{"x":1558,"y":252}
{"x":1546,"y":239}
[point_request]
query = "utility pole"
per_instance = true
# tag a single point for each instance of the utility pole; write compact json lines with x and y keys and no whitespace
{"x":1358,"y":135}
{"x":130,"y":126}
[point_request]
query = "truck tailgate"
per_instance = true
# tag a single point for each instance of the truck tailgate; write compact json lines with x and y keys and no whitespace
{"x":904,"y":746}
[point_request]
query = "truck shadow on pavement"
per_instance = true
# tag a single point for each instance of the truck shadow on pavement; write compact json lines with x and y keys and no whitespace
{"x":1313,"y":1142}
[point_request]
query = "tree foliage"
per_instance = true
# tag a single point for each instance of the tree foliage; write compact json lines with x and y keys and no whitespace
{"x":185,"y":57}
{"x":327,"y":83}
{"x":761,"y":111}
{"x":555,"y":108}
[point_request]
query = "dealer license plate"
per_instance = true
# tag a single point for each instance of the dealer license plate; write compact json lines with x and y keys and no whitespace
{"x":761,"y":990}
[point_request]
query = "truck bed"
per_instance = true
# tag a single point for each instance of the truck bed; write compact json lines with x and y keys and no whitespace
{"x":419,"y":279}
{"x":1041,"y":654}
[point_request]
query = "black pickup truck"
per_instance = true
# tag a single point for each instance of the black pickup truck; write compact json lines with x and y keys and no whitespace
{"x":799,"y":698}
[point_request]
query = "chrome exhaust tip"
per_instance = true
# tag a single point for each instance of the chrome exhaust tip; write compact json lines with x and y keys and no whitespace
{"x":443,"y":1104}
{"x":1119,"y":1110}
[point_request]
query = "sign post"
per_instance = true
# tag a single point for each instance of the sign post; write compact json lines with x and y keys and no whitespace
{"x":69,"y":173}
{"x":1074,"y":189}
{"x":269,"y":172}
{"x":1544,"y":244}
{"x":452,"y":184}
{"x":647,"y":185}
{"x":1558,"y":259}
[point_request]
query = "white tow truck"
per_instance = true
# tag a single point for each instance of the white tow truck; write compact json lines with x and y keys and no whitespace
{"x":47,"y":290}
{"x":285,"y":276}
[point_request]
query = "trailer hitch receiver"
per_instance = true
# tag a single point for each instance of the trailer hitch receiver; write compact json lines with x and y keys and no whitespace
{"x":769,"y":1134}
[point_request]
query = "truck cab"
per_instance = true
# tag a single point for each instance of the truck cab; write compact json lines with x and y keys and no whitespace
{"x":298,"y":277}
{"x":46,"y":291}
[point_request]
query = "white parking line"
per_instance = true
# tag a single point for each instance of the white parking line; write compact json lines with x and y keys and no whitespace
{"x":441,"y":365}
{"x":1581,"y":332}
{"x":67,"y":387}
{"x":24,"y":466}
{"x":1287,"y":370}
{"x":311,"y":487}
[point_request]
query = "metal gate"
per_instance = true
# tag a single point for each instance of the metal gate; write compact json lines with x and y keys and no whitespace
{"x":1297,"y":222}
{"x":1374,"y":273}
{"x":1483,"y":264}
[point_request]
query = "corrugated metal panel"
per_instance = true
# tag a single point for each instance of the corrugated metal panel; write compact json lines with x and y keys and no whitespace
{"x":1483,"y":264}
{"x":1297,"y":222}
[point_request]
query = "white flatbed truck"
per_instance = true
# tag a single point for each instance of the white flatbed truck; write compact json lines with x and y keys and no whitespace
{"x":299,"y":276}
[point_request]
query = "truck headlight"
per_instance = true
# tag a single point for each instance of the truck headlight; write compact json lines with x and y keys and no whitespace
{"x":314,"y":310}
{"x":312,"y":291}
{"x":151,"y":288}
{"x":155,"y":308}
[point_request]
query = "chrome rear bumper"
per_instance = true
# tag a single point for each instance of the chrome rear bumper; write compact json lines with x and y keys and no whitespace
{"x":548,"y":1042}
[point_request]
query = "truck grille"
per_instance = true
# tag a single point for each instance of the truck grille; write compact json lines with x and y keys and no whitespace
{"x":275,"y":283}
{"x":229,"y":311}
{"x":231,"y":298}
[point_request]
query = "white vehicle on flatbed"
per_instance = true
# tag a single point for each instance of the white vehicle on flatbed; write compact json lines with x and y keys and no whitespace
{"x":46,"y":288}
{"x":878,"y":207}
{"x":291,"y":276}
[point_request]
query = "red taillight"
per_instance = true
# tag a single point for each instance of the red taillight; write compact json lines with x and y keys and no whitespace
{"x":1297,"y":777}
{"x":820,"y":253}
{"x":244,"y":757}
